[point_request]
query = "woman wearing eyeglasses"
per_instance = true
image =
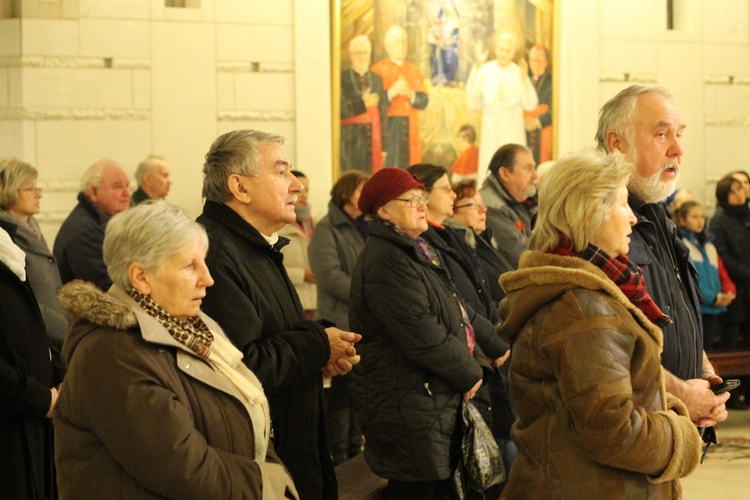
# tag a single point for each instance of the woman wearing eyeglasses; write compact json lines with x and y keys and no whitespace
{"x":469,"y":210}
{"x":419,"y":357}
{"x":19,"y":203}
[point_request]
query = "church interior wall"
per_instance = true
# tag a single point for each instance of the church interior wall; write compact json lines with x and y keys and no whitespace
{"x":86,"y":79}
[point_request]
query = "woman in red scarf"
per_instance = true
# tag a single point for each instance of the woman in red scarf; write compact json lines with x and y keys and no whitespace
{"x":595,"y":418}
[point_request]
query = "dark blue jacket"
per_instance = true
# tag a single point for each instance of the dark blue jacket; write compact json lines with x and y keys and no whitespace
{"x":78,"y":246}
{"x":671,"y":280}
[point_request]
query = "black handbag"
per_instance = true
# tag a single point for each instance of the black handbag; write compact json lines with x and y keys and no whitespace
{"x":480,"y":464}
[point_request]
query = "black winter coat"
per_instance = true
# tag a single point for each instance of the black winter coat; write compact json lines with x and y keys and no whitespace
{"x":468,"y":277}
{"x":78,"y":245}
{"x":731,"y":229}
{"x":26,"y":375}
{"x":415,"y":363}
{"x":255,"y":303}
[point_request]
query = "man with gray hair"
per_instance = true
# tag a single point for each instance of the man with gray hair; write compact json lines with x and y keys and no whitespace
{"x":104,"y":192}
{"x":153,"y":178}
{"x":250,"y":194}
{"x":644,"y":124}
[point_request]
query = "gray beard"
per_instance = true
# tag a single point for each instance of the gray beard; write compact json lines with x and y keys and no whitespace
{"x":650,"y":189}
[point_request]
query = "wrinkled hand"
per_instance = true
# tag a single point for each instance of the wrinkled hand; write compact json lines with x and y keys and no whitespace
{"x":370,"y":98}
{"x":472,"y":392}
{"x":706,"y":408}
{"x":501,"y":360}
{"x":341,"y":367}
{"x":343,"y":353}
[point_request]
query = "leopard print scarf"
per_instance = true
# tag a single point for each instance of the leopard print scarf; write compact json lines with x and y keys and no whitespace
{"x":192,"y":332}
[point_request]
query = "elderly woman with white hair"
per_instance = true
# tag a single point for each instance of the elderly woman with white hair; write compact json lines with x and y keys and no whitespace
{"x":157,"y":402}
{"x":595,"y":418}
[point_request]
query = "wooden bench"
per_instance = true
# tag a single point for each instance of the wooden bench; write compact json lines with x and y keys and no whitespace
{"x":358,"y":482}
{"x":730,"y":363}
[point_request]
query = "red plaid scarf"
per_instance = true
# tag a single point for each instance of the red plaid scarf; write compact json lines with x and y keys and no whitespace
{"x":626,"y":275}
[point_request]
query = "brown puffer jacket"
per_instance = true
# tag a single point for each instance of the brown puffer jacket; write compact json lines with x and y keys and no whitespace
{"x":595,"y":418}
{"x":141,"y":416}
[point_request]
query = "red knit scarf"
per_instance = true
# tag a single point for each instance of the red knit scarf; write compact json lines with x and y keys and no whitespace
{"x":626,"y":275}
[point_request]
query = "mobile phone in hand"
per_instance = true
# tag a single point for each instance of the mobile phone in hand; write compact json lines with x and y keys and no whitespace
{"x":725,"y":386}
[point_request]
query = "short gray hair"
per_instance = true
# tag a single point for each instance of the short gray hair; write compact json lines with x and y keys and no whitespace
{"x":233,"y":153}
{"x":147,"y":166}
{"x":147,"y":234}
{"x":94,"y":174}
{"x":618,"y":113}
{"x":576,"y":198}
{"x":14,"y":174}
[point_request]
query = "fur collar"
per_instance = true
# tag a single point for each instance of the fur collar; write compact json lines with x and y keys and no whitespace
{"x":85,"y":300}
{"x":545,"y":277}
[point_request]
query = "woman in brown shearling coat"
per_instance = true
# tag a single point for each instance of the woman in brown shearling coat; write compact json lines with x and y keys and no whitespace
{"x":595,"y":418}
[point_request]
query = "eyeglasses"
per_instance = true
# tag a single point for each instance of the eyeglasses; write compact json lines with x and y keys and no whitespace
{"x":478,"y":206}
{"x":414,"y":201}
{"x":35,"y":190}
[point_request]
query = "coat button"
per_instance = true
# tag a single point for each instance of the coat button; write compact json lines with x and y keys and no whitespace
{"x":187,"y":365}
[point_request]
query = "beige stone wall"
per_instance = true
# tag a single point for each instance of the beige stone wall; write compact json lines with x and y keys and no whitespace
{"x":705,"y":63}
{"x":86,"y":79}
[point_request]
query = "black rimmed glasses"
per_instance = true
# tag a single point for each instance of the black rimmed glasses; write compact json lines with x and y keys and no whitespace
{"x":414,"y":201}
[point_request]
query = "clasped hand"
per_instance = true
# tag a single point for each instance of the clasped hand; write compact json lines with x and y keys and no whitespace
{"x":343,"y":353}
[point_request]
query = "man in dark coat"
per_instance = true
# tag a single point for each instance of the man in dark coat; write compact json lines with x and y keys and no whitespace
{"x":645,"y":125}
{"x":78,"y":246}
{"x":250,"y":194}
{"x":29,"y":375}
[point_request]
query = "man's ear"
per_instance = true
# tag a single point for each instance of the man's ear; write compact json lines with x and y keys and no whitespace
{"x":139,"y":278}
{"x":503,"y":174}
{"x":239,"y":190}
{"x":91,"y":194}
{"x":615,"y":142}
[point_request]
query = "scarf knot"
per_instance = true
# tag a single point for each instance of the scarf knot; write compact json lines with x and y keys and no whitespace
{"x":624,"y":273}
{"x":192,"y":332}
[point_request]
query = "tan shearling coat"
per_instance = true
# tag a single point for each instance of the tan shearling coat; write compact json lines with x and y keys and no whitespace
{"x":142,"y":416}
{"x":595,"y":418}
